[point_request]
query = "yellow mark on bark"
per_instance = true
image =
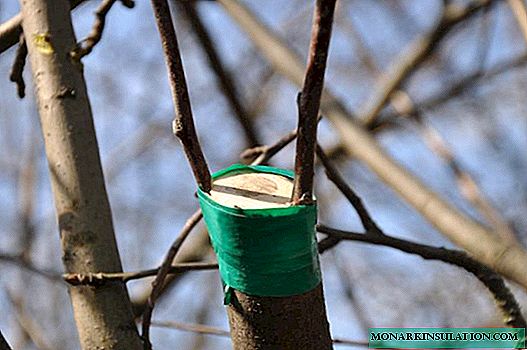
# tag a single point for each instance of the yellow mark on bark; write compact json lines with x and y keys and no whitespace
{"x":43,"y":43}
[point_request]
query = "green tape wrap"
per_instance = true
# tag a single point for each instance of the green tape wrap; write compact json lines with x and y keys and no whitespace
{"x":263,"y":252}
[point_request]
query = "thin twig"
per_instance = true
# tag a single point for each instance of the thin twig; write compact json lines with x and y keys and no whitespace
{"x":183,"y":124}
{"x":225,"y":80}
{"x":367,"y":221}
{"x":86,"y":46}
{"x":203,"y":329}
{"x":95,"y":279}
{"x":503,"y":297}
{"x":262,"y":154}
{"x":309,"y":101}
{"x":17,"y":69}
{"x":457,"y":88}
{"x":157,"y":284}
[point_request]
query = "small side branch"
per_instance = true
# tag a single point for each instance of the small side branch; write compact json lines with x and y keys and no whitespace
{"x":95,"y":279}
{"x":17,"y":69}
{"x":86,"y":46}
{"x":367,"y":221}
{"x":183,"y":124}
{"x":309,"y":101}
{"x":157,"y":285}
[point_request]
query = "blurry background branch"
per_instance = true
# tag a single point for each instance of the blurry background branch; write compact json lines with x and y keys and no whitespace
{"x":414,"y":55}
{"x":402,"y":102}
{"x":224,"y":78}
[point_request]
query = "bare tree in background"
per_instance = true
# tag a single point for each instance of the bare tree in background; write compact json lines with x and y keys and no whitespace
{"x":242,"y":88}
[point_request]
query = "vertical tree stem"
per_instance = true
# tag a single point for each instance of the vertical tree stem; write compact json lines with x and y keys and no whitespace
{"x":309,"y":101}
{"x":103,"y":314}
{"x":183,"y":124}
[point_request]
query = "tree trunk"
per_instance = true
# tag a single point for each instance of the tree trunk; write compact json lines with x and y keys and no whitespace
{"x":285,"y":323}
{"x":102,"y":314}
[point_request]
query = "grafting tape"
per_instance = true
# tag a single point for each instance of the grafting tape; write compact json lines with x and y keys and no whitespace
{"x":263,"y":252}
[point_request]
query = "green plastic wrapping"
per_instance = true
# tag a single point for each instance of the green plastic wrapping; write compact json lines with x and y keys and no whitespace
{"x":263,"y":252}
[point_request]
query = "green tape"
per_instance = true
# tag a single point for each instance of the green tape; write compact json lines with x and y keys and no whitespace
{"x":263,"y":252}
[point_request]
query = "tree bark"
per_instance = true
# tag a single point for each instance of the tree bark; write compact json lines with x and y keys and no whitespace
{"x":103,"y":314}
{"x":285,"y":323}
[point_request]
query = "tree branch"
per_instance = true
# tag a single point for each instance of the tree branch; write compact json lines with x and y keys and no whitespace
{"x":157,"y":284}
{"x":96,"y":279}
{"x":80,"y":197}
{"x":183,"y":124}
{"x":457,"y":88}
{"x":17,"y":69}
{"x":309,"y":101}
{"x":85,"y":46}
{"x":401,"y":101}
{"x":415,"y":54}
{"x":367,"y":221}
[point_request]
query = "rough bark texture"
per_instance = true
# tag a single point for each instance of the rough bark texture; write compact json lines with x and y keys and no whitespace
{"x":288,"y":323}
{"x":102,"y":314}
{"x":485,"y":246}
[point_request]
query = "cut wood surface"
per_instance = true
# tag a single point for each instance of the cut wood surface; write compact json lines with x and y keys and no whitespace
{"x":252,"y":191}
